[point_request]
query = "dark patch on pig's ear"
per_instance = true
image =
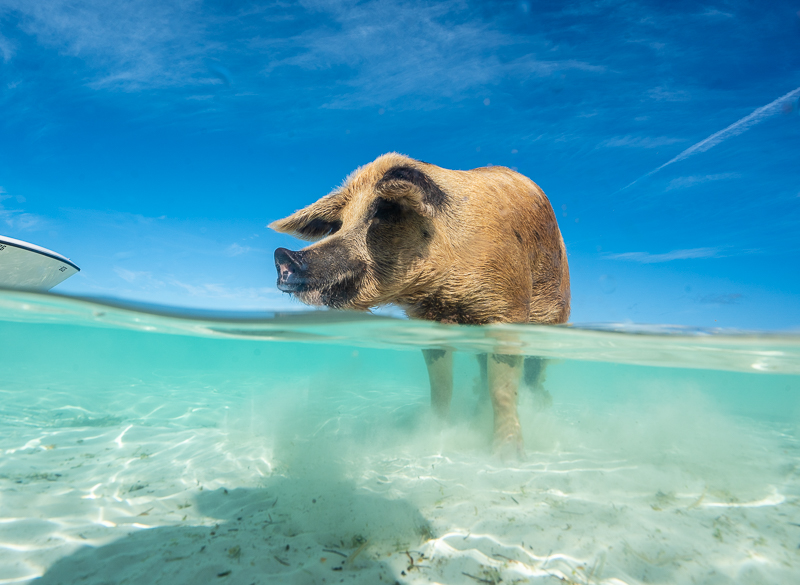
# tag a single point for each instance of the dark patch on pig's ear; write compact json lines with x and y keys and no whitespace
{"x":412,"y":184}
{"x":317,"y":229}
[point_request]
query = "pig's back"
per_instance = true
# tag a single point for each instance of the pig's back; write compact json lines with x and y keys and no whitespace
{"x":502,"y":206}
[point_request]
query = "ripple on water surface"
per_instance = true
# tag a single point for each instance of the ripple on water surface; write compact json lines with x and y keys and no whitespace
{"x":155,"y":446}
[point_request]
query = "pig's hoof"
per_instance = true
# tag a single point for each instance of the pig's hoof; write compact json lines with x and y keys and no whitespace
{"x":542,"y":399}
{"x":509,"y":447}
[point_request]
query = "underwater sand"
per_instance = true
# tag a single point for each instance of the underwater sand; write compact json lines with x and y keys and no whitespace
{"x":138,"y":447}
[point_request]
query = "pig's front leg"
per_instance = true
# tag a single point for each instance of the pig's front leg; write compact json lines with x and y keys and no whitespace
{"x":504,"y":373}
{"x":440,"y":372}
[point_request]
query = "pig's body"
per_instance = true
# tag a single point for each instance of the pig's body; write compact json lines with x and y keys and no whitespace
{"x":470,"y":247}
{"x":497,"y":255}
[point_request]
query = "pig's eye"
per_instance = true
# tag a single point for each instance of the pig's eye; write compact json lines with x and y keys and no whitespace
{"x":388,"y":211}
{"x":320,"y":228}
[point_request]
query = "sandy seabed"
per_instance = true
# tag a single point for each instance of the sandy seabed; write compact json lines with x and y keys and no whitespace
{"x":184,"y":491}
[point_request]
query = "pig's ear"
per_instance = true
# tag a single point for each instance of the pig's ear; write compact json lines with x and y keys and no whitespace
{"x":316,"y":221}
{"x":413,"y":188}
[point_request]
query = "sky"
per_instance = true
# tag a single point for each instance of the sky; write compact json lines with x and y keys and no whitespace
{"x":153,"y":141}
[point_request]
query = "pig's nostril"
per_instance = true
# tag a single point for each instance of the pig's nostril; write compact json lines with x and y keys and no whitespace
{"x":291,"y":269}
{"x":286,"y":259}
{"x":282,"y":257}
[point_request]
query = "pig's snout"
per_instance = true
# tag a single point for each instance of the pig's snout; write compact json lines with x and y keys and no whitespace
{"x":291,"y":270}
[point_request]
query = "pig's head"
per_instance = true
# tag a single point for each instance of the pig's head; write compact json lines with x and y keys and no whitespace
{"x":373,"y":237}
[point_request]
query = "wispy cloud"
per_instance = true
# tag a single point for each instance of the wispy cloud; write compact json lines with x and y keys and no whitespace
{"x":237,"y":249}
{"x":6,"y":49}
{"x":664,"y":94}
{"x":169,"y":289}
{"x":350,"y":53}
{"x":390,"y":49}
{"x":691,"y":181}
{"x":647,"y":258}
{"x":146,"y":281}
{"x":169,"y":261}
{"x":639,"y":141}
{"x":18,"y":219}
{"x":130,"y":45}
{"x":140,"y":277}
{"x":741,"y":125}
{"x":727,"y":299}
{"x":216,"y":291}
{"x":715,"y":13}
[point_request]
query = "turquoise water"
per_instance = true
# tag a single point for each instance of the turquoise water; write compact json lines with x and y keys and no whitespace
{"x":147,"y":447}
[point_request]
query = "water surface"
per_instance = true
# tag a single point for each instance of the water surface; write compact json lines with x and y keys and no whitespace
{"x":146,"y":445}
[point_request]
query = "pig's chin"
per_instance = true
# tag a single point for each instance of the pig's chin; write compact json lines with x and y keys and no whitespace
{"x":339,"y":294}
{"x":310,"y":297}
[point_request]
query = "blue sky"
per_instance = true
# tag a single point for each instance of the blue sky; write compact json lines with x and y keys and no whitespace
{"x":152,"y":141}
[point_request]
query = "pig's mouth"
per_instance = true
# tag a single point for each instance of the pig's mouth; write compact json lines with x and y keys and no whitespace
{"x":336,"y":289}
{"x":336,"y":294}
{"x":293,"y":286}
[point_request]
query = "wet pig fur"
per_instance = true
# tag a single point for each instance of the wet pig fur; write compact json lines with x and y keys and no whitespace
{"x":472,"y":247}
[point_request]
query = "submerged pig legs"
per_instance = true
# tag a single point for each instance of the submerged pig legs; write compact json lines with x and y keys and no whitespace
{"x":440,"y":372}
{"x":504,"y":373}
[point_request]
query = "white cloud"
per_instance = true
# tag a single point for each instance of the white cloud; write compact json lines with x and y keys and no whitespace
{"x":178,"y":262}
{"x":237,"y":249}
{"x":647,"y":258}
{"x":217,"y":292}
{"x":392,"y":49}
{"x":384,"y":49}
{"x":138,"y":276}
{"x":737,"y":127}
{"x":741,"y":125}
{"x":715,"y":13}
{"x":728,"y":299}
{"x":132,"y":44}
{"x":639,"y":141}
{"x":18,"y":219}
{"x":166,"y":288}
{"x":144,"y":286}
{"x":6,"y":49}
{"x":663,"y":94}
{"x":691,"y":181}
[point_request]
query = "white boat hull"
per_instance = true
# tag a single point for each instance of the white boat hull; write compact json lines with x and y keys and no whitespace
{"x":28,"y":266}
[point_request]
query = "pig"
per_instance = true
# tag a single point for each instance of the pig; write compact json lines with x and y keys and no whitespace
{"x":470,"y":247}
